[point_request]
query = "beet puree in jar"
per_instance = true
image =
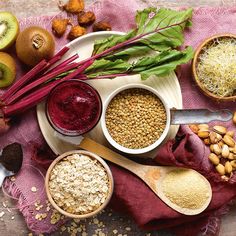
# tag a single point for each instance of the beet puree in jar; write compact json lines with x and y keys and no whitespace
{"x":73,"y":107}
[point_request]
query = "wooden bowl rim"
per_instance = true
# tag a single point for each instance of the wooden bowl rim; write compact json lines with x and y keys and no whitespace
{"x":195,"y":61}
{"x":110,"y":178}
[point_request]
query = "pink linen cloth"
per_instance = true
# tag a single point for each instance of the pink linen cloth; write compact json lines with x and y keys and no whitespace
{"x":206,"y":21}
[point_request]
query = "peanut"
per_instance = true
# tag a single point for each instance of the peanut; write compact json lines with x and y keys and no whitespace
{"x":219,"y":137}
{"x":207,"y":141}
{"x":194,"y":128}
{"x":225,"y":151}
{"x":213,"y":137}
{"x":203,"y":126}
{"x":233,"y":164}
{"x":216,"y":149}
{"x":221,"y":143}
{"x":231,"y":156}
{"x":220,"y":169}
{"x":228,"y":167}
{"x":230,"y":133}
{"x":234,"y":149}
{"x":214,"y":159}
{"x":220,"y":129}
{"x":229,"y":140}
{"x":211,"y":148}
{"x":234,"y":118}
{"x":225,"y":178}
{"x":203,"y":133}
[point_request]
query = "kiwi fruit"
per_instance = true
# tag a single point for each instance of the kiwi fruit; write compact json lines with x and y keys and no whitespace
{"x":7,"y":70}
{"x":9,"y":29}
{"x":34,"y":44}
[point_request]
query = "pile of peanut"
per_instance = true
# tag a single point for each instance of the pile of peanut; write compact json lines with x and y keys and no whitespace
{"x":222,"y":145}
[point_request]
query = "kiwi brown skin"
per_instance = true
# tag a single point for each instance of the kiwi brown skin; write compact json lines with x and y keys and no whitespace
{"x":9,"y":34}
{"x":34,"y":44}
{"x":7,"y":70}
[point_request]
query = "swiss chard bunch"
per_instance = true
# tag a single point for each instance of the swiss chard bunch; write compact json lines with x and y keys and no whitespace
{"x":153,"y":43}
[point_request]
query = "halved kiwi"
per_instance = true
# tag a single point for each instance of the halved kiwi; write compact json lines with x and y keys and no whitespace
{"x":9,"y":29}
{"x":7,"y":70}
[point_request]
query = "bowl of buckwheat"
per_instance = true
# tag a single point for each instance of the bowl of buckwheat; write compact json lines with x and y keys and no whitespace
{"x":79,"y":184}
{"x":135,"y":119}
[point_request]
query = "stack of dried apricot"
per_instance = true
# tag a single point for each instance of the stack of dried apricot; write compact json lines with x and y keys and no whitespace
{"x":84,"y":18}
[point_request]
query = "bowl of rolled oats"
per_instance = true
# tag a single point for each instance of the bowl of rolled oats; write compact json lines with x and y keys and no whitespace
{"x":135,"y":119}
{"x":79,"y":184}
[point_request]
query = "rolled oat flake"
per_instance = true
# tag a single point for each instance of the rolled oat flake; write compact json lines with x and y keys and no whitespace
{"x":79,"y":184}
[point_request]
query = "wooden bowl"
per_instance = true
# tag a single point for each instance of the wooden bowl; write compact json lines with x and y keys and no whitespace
{"x":196,"y":61}
{"x":92,"y":156}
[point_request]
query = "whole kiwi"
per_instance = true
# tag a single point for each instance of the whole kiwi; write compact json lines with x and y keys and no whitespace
{"x":34,"y":44}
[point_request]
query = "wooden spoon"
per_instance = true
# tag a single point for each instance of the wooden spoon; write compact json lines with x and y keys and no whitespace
{"x":151,"y":175}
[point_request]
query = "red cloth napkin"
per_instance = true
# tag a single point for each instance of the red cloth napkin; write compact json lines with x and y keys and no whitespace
{"x":151,"y":213}
{"x":131,"y":194}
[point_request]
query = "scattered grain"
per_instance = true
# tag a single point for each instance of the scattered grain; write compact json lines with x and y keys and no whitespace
{"x":2,"y":214}
{"x":34,"y":189}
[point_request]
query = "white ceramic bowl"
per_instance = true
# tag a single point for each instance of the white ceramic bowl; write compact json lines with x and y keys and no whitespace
{"x":117,"y":145}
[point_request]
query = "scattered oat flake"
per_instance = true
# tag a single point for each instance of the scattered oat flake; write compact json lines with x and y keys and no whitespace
{"x":115,"y":231}
{"x":40,"y":235}
{"x":84,"y":234}
{"x":63,"y":228}
{"x":12,"y":217}
{"x":95,"y":221}
{"x":8,"y":210}
{"x":127,"y":228}
{"x":76,"y":220}
{"x":30,"y":234}
{"x":4,"y":204}
{"x":2,"y":214}
{"x":48,"y":208}
{"x":34,"y":189}
{"x":101,"y":234}
{"x":13,"y":178}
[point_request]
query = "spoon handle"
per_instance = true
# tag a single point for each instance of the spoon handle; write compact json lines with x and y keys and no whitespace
{"x":191,"y":116}
{"x":107,"y":154}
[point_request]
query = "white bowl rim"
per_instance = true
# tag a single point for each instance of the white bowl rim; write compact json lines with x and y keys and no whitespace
{"x":122,"y":148}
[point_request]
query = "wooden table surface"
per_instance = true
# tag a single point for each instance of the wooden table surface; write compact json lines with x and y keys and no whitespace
{"x":12,"y":223}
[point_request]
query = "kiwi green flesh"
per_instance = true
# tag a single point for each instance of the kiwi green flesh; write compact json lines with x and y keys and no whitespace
{"x":6,"y":76}
{"x":8,"y":29}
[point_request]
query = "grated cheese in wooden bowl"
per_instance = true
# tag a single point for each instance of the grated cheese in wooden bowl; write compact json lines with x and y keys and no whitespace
{"x":216,"y":67}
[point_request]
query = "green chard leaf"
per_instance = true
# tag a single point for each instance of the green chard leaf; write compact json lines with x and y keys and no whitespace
{"x":158,"y":30}
{"x":163,"y":63}
{"x":103,"y":44}
{"x":170,"y":24}
{"x":106,"y":67}
{"x":161,"y":29}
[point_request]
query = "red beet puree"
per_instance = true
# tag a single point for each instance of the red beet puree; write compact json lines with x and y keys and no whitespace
{"x":73,"y":107}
